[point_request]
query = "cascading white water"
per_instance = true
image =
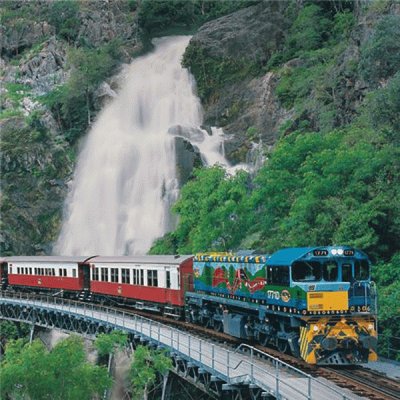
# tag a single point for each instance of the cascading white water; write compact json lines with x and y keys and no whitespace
{"x":125,"y":180}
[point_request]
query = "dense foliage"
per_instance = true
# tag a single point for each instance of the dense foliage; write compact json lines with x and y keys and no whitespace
{"x":147,"y":365}
{"x":30,"y":371}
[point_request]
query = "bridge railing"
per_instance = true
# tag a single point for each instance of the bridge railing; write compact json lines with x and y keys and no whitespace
{"x":229,"y":366}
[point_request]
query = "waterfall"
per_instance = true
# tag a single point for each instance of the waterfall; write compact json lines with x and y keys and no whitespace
{"x":125,"y":178}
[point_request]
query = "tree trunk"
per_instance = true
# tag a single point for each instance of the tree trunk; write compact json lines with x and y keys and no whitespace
{"x":165,"y":380}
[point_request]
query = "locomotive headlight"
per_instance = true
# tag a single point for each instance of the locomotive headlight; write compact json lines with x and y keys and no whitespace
{"x":334,"y":252}
{"x":370,"y":327}
{"x":340,"y":252}
{"x":315,"y":328}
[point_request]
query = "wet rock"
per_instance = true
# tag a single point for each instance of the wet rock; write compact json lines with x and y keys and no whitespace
{"x":187,"y":157}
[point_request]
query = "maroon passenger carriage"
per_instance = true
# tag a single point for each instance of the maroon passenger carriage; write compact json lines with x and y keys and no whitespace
{"x":68,"y":275}
{"x":155,"y":283}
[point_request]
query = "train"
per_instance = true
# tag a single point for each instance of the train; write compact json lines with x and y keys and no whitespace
{"x":317,"y":303}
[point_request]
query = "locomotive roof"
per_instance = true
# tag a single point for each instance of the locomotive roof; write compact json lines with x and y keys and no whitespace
{"x":50,"y":259}
{"x":145,"y":259}
{"x":289,"y":255}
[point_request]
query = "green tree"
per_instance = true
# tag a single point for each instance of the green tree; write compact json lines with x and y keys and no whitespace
{"x":108,"y":343}
{"x":308,"y":32}
{"x":29,"y":371}
{"x":73,"y":103}
{"x":383,"y":109}
{"x":146,"y":366}
{"x":213,"y":211}
{"x":380,"y":56}
{"x":64,"y":16}
{"x":387,"y":277}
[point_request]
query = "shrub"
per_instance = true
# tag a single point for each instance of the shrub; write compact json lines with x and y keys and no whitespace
{"x":380,"y":55}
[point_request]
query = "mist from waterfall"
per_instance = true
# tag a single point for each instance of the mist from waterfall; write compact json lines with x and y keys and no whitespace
{"x":125,"y":179}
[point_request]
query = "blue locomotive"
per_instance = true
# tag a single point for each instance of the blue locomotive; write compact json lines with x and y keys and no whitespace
{"x":319,"y":303}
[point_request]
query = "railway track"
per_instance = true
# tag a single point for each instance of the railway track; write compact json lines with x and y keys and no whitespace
{"x":361,"y":381}
{"x":366,"y":383}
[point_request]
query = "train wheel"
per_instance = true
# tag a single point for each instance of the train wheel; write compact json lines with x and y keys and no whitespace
{"x":263,"y":339}
{"x":218,"y":327}
{"x":282,"y":345}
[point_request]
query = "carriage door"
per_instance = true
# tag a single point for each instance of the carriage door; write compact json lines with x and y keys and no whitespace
{"x":168,"y":292}
{"x":3,"y":275}
{"x":85,"y":275}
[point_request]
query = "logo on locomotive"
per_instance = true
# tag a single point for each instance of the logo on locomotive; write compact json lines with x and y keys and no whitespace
{"x":285,"y":295}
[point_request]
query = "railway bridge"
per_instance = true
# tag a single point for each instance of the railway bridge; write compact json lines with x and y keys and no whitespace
{"x":223,"y":373}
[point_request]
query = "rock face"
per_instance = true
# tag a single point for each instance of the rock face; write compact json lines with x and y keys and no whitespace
{"x":45,"y":70}
{"x":250,"y":35}
{"x":105,"y":20}
{"x":22,"y":34}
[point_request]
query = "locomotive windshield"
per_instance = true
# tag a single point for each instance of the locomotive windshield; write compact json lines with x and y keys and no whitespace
{"x":313,"y":271}
{"x":361,"y":270}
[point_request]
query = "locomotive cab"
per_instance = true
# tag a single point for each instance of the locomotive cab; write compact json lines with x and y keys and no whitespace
{"x":338,"y":306}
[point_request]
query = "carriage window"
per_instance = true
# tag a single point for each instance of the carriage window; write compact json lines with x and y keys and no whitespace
{"x":17,"y":270}
{"x":168,"y":279}
{"x":330,"y":271}
{"x":136,"y":280}
{"x":152,"y":277}
{"x":74,"y":273}
{"x":347,"y":275}
{"x":141,"y":277}
{"x":65,"y":271}
{"x":95,"y":274}
{"x":125,"y":275}
{"x":104,"y":275}
{"x":278,"y":275}
{"x":30,"y":270}
{"x":114,"y":274}
{"x":361,"y":270}
{"x":10,"y":270}
{"x":303,"y":271}
{"x":53,"y":271}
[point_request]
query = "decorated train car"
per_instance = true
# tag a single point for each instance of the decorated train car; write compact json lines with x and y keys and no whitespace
{"x":319,"y":303}
{"x":68,"y":275}
{"x":156,"y":283}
